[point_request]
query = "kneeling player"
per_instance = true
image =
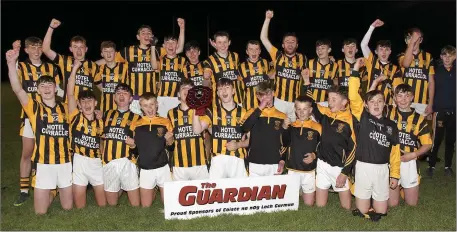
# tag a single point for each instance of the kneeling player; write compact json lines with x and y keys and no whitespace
{"x":302,"y":137}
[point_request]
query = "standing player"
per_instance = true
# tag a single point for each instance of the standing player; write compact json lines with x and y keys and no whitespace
{"x":189,"y":156}
{"x":224,"y":124}
{"x":110,"y":74}
{"x":48,"y":119}
{"x":85,"y":132}
{"x":322,"y":72}
{"x":193,"y":69}
{"x":380,"y":65}
{"x":119,"y":169}
{"x":418,"y":72}
{"x":253,"y":71}
{"x":347,"y":64}
{"x":86,"y":74}
{"x":288,"y":65}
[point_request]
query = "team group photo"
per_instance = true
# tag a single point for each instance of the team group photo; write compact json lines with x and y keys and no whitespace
{"x":219,"y":116}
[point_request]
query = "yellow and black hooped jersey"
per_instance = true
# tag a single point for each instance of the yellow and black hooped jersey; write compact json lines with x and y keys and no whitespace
{"x":171,"y":74}
{"x":344,"y":72}
{"x":85,"y":134}
{"x":84,"y":77}
{"x":109,"y":78}
{"x":224,"y":68}
{"x":375,"y":68}
{"x":252,"y":74}
{"x":417,"y":75}
{"x":194,"y":72}
{"x":225,"y":126}
{"x":287,"y":74}
{"x":189,"y":148}
{"x":321,"y":78}
{"x":117,"y":127}
{"x":51,"y":129}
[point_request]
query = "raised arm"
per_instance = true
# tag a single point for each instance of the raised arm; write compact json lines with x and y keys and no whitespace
{"x":264,"y":33}
{"x":412,"y":42}
{"x":355,"y":100}
{"x":181,"y":39}
{"x":51,"y":54}
{"x":366,"y":39}
{"x":11,"y":58}
{"x":198,"y":126}
{"x":154,"y":62}
{"x":72,"y":105}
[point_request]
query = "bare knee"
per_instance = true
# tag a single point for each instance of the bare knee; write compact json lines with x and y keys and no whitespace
{"x":41,"y":211}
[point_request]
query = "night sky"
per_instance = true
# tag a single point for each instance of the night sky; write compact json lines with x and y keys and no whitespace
{"x":119,"y":21}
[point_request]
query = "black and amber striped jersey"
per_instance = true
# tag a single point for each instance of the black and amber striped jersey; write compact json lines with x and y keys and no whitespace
{"x":287,"y":74}
{"x":194,"y":72}
{"x":108,"y":78}
{"x":117,"y":127}
{"x":252,"y":74}
{"x":301,"y":138}
{"x":84,"y":77}
{"x":417,"y":75}
{"x":85,"y":134}
{"x":225,"y":126}
{"x":140,"y":76}
{"x":375,"y":68}
{"x":189,"y":148}
{"x":344,"y":71}
{"x":265,"y":127}
{"x":149,"y":135}
{"x":321,"y":78}
{"x":412,"y":127}
{"x":51,"y":129}
{"x":224,"y":68}
{"x":171,"y":74}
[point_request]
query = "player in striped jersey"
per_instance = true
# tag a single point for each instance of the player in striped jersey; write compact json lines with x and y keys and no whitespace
{"x":418,"y":72}
{"x":194,"y":68}
{"x":171,"y":67}
{"x":119,"y":169}
{"x":380,"y":65}
{"x":253,"y":71}
{"x":288,"y":65}
{"x":49,"y":121}
{"x":322,"y":72}
{"x":86,"y":74}
{"x":109,"y":75}
{"x":224,"y":123}
{"x":189,"y":155}
{"x":85,"y":132}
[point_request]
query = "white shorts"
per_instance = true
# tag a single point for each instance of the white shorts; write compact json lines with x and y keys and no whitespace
{"x":326,"y":176}
{"x":324,"y":103}
{"x":225,"y":166}
{"x":409,"y":177}
{"x":307,"y":180}
{"x":286,"y":107}
{"x":371,"y":181}
{"x":262,"y":169}
{"x":420,"y":108}
{"x":27,"y":130}
{"x":120,"y":173}
{"x":190,"y":173}
{"x":52,"y":176}
{"x":166,"y":104}
{"x":135,"y":107}
{"x":149,"y":179}
{"x":87,"y":170}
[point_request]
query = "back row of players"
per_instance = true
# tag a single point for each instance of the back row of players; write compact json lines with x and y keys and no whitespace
{"x":248,"y":112}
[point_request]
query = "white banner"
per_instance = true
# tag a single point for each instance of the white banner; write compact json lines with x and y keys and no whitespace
{"x":192,"y":199}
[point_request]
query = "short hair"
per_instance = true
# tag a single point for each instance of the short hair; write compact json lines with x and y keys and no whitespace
{"x":340,"y":90}
{"x":186,"y":82}
{"x":221,"y":34}
{"x":170,"y":37}
{"x":143,"y":27}
{"x":86,"y":94}
{"x":323,"y":42}
{"x":193,"y":44}
{"x":384,"y":44}
{"x":33,"y":40}
{"x":403,"y":88}
{"x":108,"y":44}
{"x":224,"y":82}
{"x":287,"y":34}
{"x":263,"y":87}
{"x":448,"y":49}
{"x":371,"y":94}
{"x":348,"y":41}
{"x":148,"y":96}
{"x":304,"y":99}
{"x":254,"y":42}
{"x":125,"y":87}
{"x":46,"y":79}
{"x":410,"y":31}
{"x":78,"y":38}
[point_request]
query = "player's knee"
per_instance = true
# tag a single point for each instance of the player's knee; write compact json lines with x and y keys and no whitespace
{"x":393,"y":203}
{"x":41,"y":211}
{"x":67,"y":207}
{"x":411,"y":202}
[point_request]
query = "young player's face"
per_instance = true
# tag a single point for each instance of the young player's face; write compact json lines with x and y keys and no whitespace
{"x":149,"y":107}
{"x":336,"y":102}
{"x":122,"y":98}
{"x":253,"y":51}
{"x":403,"y":99}
{"x":303,"y":110}
{"x":268,"y":97}
{"x":34,"y":51}
{"x":171,"y":46}
{"x":350,"y":50}
{"x":383,"y":53}
{"x":222,"y":44}
{"x":376,"y":105}
{"x":47,"y":90}
{"x":192,"y":54}
{"x":183,"y":91}
{"x":79,"y":50}
{"x":290,"y":45}
{"x":225,"y":93}
{"x":448,"y":59}
{"x":87,"y":105}
{"x":108,"y":54}
{"x":144,"y":36}
{"x":323,"y":51}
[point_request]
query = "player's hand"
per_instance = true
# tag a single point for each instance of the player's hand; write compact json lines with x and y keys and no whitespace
{"x":213,"y":44}
{"x":77,"y":64}
{"x":129,"y":141}
{"x":341,"y":180}
{"x":98,"y":114}
{"x":168,"y":135}
{"x":207,"y":74}
{"x":181,"y":23}
{"x":332,"y":58}
{"x":17,"y":45}
{"x":428,"y":110}
{"x":280,"y":168}
{"x":415,"y":37}
{"x":264,"y":102}
{"x":381,"y":78}
{"x":286,"y":123}
{"x":377,"y":23}
{"x":393,"y":183}
{"x":11,"y":56}
{"x":360,"y":62}
{"x":407,"y":156}
{"x":232,"y":145}
{"x":305,"y":76}
{"x":269,"y":14}
{"x":309,"y":158}
{"x":55,"y":23}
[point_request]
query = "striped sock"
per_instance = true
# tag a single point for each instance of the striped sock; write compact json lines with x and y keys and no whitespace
{"x":25,"y":184}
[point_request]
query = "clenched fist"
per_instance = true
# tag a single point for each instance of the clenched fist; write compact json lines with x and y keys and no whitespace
{"x":377,"y":23}
{"x":17,"y":45}
{"x":55,"y":23}
{"x":181,"y":23}
{"x":11,"y":56}
{"x":269,"y":14}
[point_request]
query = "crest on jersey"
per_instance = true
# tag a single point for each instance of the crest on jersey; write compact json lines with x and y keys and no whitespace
{"x":389,"y":130}
{"x":277,"y":124}
{"x":118,"y":121}
{"x":340,"y":127}
{"x":310,"y":135}
{"x":160,"y":131}
{"x":440,"y":123}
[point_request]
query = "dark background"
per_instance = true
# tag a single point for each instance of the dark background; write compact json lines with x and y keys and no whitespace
{"x":119,"y":21}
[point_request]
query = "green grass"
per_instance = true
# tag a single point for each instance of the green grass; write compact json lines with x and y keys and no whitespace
{"x":436,"y":209}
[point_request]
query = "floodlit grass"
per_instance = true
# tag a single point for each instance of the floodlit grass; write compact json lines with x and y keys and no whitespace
{"x":436,"y":209}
